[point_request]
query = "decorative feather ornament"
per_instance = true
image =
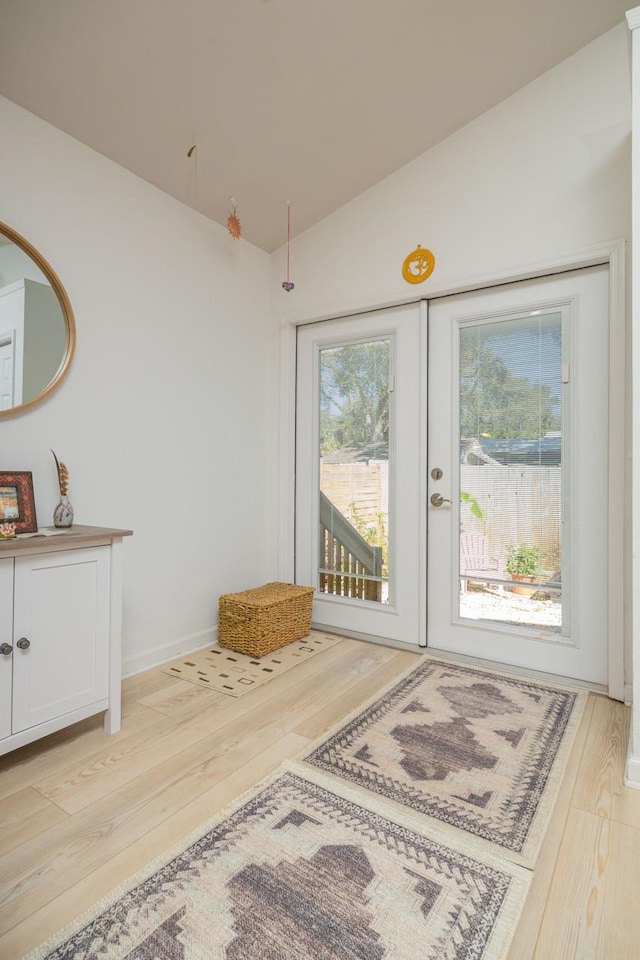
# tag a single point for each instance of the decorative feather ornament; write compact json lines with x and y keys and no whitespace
{"x":63,"y":476}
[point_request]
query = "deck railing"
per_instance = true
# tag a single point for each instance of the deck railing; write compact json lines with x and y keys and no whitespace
{"x":349,"y":566}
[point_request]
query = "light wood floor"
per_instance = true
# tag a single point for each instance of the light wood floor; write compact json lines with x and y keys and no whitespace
{"x":81,"y":811}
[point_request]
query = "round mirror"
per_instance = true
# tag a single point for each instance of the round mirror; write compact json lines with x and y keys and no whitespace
{"x":37,"y":329}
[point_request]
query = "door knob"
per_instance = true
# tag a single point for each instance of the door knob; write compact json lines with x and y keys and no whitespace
{"x":23,"y":643}
{"x":436,"y":501}
{"x":5,"y":649}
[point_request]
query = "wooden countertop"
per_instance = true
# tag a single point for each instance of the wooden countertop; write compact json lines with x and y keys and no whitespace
{"x":69,"y":537}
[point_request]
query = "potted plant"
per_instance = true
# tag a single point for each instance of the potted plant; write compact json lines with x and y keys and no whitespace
{"x":524,"y":564}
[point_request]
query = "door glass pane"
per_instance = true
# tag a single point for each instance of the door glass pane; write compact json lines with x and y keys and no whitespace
{"x":354,"y":470}
{"x":511,"y":472}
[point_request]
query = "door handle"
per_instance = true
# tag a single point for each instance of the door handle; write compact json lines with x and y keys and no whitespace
{"x":5,"y":649}
{"x":437,"y":500}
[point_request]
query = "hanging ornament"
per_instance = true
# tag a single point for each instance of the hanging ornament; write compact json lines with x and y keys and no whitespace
{"x":192,"y":183}
{"x":233,"y":223}
{"x":286,"y":284}
{"x":418,"y":265}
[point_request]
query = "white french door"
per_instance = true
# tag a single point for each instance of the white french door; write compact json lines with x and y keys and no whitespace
{"x":428,"y":478}
{"x":360,"y":472}
{"x":518,"y":452}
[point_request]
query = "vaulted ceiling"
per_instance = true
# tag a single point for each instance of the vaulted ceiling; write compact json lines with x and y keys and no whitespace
{"x":307,"y":101}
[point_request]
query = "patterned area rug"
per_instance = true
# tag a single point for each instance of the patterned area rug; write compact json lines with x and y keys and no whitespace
{"x":235,"y":674}
{"x":299,"y":871}
{"x":480,"y":751}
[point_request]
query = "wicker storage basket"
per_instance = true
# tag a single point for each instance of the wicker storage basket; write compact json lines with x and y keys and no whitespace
{"x":261,"y":620}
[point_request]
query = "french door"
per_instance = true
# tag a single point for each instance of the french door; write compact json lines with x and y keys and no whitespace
{"x":360,"y":472}
{"x":518,"y":461}
{"x":440,"y":457}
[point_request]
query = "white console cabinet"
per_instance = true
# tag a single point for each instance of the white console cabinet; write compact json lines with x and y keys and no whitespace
{"x":60,"y":632}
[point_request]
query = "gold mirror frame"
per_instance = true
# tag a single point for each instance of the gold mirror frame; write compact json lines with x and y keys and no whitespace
{"x":67,"y":314}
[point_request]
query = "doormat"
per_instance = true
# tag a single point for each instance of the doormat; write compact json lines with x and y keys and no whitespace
{"x":235,"y":674}
{"x":478,"y":750}
{"x":296,"y":869}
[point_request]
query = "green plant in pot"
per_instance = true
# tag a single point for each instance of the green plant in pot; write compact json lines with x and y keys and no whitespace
{"x":524,"y":563}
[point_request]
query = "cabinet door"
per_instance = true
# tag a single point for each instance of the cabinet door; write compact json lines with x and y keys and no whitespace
{"x":62,"y":610}
{"x":6,"y":636}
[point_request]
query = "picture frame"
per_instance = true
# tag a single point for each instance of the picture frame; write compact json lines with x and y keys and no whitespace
{"x":17,"y":502}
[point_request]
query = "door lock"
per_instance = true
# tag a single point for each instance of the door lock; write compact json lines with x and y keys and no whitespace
{"x":437,"y":500}
{"x":436,"y":473}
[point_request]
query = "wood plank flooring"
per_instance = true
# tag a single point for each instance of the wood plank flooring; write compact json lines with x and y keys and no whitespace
{"x":82,"y":811}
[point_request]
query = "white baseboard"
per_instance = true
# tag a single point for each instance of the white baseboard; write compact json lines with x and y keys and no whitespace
{"x":632,"y":771}
{"x":155,"y":658}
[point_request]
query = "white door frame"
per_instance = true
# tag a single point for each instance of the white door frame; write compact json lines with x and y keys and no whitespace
{"x":611,"y":253}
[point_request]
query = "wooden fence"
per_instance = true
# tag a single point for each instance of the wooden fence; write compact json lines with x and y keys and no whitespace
{"x":349,"y":566}
{"x":363,"y":486}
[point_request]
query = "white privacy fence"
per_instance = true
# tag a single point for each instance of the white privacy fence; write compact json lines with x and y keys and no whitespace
{"x":522,"y":505}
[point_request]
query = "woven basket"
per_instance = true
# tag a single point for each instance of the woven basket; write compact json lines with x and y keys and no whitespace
{"x":258,"y":621}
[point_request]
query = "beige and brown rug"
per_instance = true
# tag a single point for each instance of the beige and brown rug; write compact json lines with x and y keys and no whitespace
{"x":299,"y":871}
{"x":480,"y":751}
{"x":235,"y":674}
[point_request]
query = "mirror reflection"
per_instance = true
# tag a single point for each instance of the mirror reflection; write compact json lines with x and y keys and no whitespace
{"x":37,"y":333}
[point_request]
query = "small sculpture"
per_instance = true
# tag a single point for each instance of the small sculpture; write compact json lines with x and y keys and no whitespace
{"x":63,"y":513}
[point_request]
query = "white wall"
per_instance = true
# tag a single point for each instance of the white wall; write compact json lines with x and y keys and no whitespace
{"x":16,"y":265}
{"x":166,"y":416}
{"x":545,"y":172}
{"x":633,"y":760}
{"x":45,"y":338}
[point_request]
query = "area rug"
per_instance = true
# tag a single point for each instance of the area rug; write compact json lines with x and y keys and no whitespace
{"x":481,"y":751}
{"x":235,"y":674}
{"x":297,"y":871}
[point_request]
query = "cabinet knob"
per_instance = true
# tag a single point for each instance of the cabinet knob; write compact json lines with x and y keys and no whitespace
{"x":23,"y":643}
{"x":5,"y":649}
